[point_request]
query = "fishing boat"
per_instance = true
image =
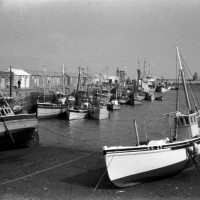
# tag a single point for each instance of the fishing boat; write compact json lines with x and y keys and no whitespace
{"x":55,"y":108}
{"x":150,"y":160}
{"x":80,"y":107}
{"x":99,"y":111}
{"x":114,"y":103}
{"x":49,"y":109}
{"x":20,"y":130}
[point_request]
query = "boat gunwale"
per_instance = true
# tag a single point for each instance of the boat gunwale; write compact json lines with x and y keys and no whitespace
{"x":172,"y":146}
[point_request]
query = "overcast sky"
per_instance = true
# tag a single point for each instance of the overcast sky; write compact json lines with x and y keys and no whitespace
{"x":96,"y":34}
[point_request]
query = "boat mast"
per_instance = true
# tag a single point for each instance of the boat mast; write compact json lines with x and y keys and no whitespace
{"x":63,"y":73}
{"x":44,"y":81}
{"x":76,"y":96}
{"x":10,"y":82}
{"x":183,"y":79}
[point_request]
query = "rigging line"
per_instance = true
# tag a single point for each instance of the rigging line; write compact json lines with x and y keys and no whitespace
{"x":103,"y":173}
{"x":190,"y":155}
{"x":185,"y":64}
{"x":44,"y":170}
{"x":191,"y":89}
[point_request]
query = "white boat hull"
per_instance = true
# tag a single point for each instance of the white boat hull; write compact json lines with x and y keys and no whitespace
{"x":99,"y":113}
{"x":76,"y":114}
{"x":47,"y":110}
{"x":128,"y":166}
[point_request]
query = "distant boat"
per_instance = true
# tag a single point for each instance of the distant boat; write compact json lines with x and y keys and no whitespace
{"x":150,"y":160}
{"x":113,"y":105}
{"x":150,"y":96}
{"x":99,"y":111}
{"x":57,"y":107}
{"x":161,"y":89}
{"x":20,"y":130}
{"x":123,"y":100}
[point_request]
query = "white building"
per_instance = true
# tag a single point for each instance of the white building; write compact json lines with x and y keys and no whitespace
{"x":113,"y":79}
{"x":20,"y":74}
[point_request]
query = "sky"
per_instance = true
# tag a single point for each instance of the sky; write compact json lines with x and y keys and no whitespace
{"x":100,"y":34}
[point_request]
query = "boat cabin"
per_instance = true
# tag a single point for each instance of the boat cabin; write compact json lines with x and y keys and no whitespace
{"x":187,"y":126}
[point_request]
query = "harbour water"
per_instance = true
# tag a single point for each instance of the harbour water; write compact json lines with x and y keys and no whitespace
{"x":69,"y":163}
{"x":117,"y":130}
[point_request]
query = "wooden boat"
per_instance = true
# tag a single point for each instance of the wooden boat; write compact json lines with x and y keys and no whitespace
{"x":17,"y":130}
{"x":79,"y":109}
{"x":130,"y":165}
{"x":57,"y":107}
{"x":48,"y":110}
{"x":99,"y":112}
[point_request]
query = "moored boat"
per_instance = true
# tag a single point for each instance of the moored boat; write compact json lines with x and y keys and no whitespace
{"x":99,"y":112}
{"x":20,"y":130}
{"x":113,"y":105}
{"x":48,"y":110}
{"x":150,"y":160}
{"x":80,"y":107}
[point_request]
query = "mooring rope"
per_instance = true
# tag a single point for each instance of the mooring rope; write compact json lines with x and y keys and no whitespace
{"x":103,"y":174}
{"x":44,"y":170}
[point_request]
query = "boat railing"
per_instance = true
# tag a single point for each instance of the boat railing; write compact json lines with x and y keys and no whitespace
{"x":6,"y":111}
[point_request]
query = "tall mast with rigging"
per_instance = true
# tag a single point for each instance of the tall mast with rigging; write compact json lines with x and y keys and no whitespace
{"x":183,"y":79}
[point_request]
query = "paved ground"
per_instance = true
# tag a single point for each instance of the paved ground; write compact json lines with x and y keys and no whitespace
{"x":65,"y":173}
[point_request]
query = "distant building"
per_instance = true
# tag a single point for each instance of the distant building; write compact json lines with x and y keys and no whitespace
{"x":121,"y":74}
{"x":113,"y":79}
{"x":5,"y":79}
